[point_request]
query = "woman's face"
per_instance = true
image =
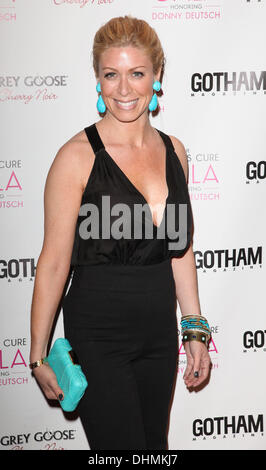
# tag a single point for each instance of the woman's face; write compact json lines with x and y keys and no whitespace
{"x":126,"y":77}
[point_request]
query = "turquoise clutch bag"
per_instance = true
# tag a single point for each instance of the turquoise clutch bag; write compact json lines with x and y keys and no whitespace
{"x":70,"y":377}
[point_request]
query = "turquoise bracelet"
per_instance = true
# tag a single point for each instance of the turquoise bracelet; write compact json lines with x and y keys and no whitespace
{"x":195,"y":327}
{"x":191,"y":322}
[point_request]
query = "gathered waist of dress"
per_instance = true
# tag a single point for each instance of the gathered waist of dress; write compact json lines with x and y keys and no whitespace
{"x":126,"y":278}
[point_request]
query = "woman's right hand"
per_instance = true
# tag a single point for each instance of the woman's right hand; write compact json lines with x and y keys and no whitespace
{"x":46,"y":377}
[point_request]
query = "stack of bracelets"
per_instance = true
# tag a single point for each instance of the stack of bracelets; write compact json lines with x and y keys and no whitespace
{"x":195,"y":327}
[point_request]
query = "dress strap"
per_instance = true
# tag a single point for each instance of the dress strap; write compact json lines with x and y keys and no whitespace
{"x":94,"y":138}
{"x":97,"y":144}
{"x":166,"y":138}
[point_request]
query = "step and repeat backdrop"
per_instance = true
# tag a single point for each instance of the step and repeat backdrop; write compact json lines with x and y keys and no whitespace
{"x":214,"y":101}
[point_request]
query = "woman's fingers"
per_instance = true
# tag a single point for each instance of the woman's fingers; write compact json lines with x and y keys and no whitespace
{"x":199,"y":364}
{"x":188,"y":374}
{"x":203,"y":373}
{"x":55,"y":392}
{"x":48,"y":382}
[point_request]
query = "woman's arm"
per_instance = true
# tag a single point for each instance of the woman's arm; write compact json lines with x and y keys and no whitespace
{"x":186,"y":282}
{"x":47,"y":292}
{"x":62,"y":198}
{"x":185,"y":275}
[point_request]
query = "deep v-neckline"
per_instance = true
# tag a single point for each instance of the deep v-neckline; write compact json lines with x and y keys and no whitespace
{"x":156,"y":227}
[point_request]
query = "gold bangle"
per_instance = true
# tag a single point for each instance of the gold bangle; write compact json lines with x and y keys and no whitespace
{"x":196,"y":335}
{"x":38,"y":363}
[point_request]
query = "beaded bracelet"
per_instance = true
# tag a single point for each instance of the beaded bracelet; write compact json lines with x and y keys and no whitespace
{"x":195,"y":327}
{"x":192,"y":322}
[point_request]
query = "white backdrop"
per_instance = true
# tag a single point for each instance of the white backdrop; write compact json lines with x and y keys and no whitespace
{"x":214,"y":102}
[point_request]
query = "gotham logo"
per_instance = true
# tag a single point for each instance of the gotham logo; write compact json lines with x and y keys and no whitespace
{"x":228,"y":258}
{"x":19,"y":269}
{"x":254,"y":340}
{"x":255,"y":171}
{"x":224,"y":82}
{"x":225,"y":426}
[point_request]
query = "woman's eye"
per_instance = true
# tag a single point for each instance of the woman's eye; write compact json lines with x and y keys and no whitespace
{"x":109,"y":74}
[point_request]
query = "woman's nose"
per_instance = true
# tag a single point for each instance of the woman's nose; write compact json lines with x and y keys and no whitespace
{"x":124,"y":86}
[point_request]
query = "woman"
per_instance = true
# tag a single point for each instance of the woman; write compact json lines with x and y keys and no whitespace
{"x":120,"y":310}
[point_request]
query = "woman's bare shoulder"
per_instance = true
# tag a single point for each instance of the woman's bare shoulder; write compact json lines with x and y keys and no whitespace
{"x":76,"y":155}
{"x":78,"y":143}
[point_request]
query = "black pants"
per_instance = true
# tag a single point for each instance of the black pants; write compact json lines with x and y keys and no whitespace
{"x":121,"y":321}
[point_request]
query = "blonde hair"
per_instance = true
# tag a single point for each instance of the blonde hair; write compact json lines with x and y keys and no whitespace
{"x":128,"y":31}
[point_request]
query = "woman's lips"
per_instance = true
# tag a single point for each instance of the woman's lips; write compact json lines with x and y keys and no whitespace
{"x":126,"y":105}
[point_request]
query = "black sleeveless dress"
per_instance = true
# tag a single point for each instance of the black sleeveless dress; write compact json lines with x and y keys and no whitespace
{"x":120,"y":310}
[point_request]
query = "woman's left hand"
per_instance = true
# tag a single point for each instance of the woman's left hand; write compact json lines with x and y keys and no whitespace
{"x":199,"y":361}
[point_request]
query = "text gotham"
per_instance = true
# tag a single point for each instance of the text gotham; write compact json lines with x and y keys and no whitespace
{"x":228,"y":81}
{"x":227,"y":425}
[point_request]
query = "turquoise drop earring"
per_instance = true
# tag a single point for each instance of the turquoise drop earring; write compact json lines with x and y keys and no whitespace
{"x":154,"y":101}
{"x":100,"y":103}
